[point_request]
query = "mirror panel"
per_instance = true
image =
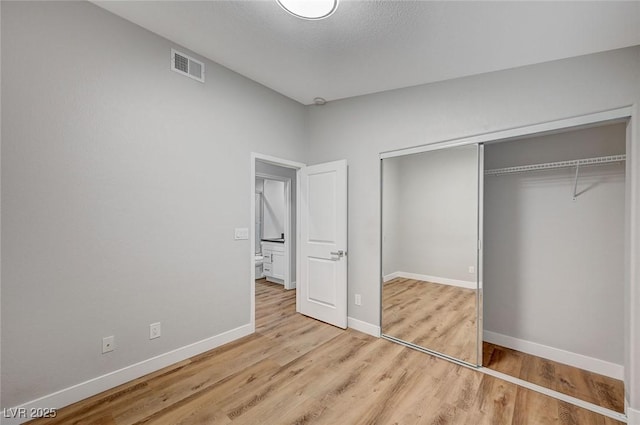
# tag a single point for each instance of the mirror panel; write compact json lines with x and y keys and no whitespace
{"x":430,"y":286}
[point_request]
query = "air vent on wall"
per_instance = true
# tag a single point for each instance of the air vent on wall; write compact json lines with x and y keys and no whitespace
{"x":186,"y":65}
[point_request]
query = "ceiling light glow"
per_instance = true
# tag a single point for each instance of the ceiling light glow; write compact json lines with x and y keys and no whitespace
{"x":309,"y":9}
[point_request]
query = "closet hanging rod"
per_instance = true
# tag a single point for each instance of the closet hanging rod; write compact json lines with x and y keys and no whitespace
{"x":559,"y":164}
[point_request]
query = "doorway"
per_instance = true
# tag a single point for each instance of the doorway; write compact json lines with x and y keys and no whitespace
{"x":317,"y":243}
{"x":275,"y":225}
{"x":273,"y":232}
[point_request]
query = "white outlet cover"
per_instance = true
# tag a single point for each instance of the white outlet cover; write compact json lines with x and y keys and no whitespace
{"x":472,"y":269}
{"x":155,"y":330}
{"x":108,"y":344}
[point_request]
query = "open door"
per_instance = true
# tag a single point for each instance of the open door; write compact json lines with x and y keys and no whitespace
{"x":322,"y":272}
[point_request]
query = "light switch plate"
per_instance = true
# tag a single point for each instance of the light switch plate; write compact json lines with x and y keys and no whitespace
{"x":242,"y":233}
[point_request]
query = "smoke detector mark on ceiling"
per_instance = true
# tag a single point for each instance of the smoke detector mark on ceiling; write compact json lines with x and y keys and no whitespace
{"x":186,"y":65}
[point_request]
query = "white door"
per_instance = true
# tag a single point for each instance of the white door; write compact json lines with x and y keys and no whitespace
{"x":322,"y":275}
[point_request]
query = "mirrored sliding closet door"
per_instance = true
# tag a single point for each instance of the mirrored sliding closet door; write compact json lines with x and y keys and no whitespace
{"x":430,"y":287}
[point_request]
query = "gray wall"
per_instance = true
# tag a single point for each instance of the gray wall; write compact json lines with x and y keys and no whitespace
{"x":122,"y":183}
{"x":113,"y":170}
{"x":432,"y":225}
{"x":391,"y":211}
{"x":358,"y":129}
{"x":554,"y":267}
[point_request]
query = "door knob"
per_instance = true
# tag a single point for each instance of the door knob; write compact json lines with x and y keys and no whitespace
{"x":340,"y":253}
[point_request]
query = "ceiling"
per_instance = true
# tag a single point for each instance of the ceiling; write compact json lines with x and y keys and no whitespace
{"x":369,"y":46}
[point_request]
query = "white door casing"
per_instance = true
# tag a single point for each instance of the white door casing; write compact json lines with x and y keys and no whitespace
{"x":322,"y":275}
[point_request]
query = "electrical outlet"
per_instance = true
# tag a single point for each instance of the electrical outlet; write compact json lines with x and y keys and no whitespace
{"x":108,"y":344}
{"x":154,"y":330}
{"x":472,"y":269}
{"x":358,"y":299}
{"x":241,"y":233}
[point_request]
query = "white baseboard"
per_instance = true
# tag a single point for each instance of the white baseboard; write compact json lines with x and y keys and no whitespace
{"x":275,"y":280}
{"x":633,"y":416}
{"x":388,"y":277}
{"x":363,"y":327}
{"x":435,"y":279}
{"x":102,"y":383}
{"x":561,"y":356}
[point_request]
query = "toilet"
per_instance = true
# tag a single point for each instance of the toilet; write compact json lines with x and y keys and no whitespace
{"x":259,"y":259}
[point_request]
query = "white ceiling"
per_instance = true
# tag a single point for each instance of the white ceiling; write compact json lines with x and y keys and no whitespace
{"x":369,"y":46}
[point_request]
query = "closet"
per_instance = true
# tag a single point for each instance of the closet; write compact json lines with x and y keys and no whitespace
{"x":509,"y":255}
{"x":553,"y":265}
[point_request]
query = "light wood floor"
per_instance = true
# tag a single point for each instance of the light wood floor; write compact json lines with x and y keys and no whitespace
{"x":592,"y":387}
{"x":296,"y":370}
{"x":439,"y":317}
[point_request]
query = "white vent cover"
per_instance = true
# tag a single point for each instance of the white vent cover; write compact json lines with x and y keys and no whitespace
{"x":186,"y":65}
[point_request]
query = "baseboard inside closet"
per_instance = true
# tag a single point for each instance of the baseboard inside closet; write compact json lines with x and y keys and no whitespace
{"x":586,"y":385}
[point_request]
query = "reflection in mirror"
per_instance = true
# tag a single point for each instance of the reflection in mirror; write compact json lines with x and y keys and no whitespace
{"x":429,"y":251}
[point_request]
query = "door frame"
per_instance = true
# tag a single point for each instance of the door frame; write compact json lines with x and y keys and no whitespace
{"x":280,"y":162}
{"x":288,"y":282}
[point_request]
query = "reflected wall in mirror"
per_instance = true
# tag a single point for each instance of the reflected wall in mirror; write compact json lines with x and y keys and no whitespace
{"x":429,"y":251}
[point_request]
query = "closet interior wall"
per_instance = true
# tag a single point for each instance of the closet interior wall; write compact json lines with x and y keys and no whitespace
{"x":554,"y":266}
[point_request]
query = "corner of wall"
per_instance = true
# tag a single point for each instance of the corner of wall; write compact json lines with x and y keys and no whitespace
{"x":363,"y":327}
{"x":0,"y":190}
{"x":633,"y":416}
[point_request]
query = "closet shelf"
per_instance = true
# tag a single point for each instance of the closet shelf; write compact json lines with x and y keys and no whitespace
{"x":559,"y":164}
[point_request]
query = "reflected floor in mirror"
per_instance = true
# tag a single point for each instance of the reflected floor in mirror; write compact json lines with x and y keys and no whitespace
{"x":588,"y":386}
{"x":438,"y":317}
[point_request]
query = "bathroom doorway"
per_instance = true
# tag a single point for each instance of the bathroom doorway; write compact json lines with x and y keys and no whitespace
{"x":275,"y":225}
{"x":273,"y":234}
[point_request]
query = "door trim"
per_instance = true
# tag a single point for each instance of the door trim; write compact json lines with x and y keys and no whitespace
{"x":513,"y":133}
{"x":480,"y":251}
{"x":252,"y":226}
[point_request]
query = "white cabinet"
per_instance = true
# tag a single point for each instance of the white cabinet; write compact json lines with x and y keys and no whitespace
{"x":277,"y":265}
{"x":274,"y":264}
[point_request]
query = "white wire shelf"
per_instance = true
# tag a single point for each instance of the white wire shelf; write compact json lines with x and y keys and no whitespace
{"x":559,"y":164}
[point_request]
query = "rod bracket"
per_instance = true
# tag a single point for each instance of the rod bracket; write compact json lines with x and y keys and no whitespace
{"x":575,"y":183}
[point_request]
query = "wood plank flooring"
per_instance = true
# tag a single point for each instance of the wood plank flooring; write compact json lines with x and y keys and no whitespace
{"x":592,"y":387}
{"x":296,"y":370}
{"x":439,"y":317}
